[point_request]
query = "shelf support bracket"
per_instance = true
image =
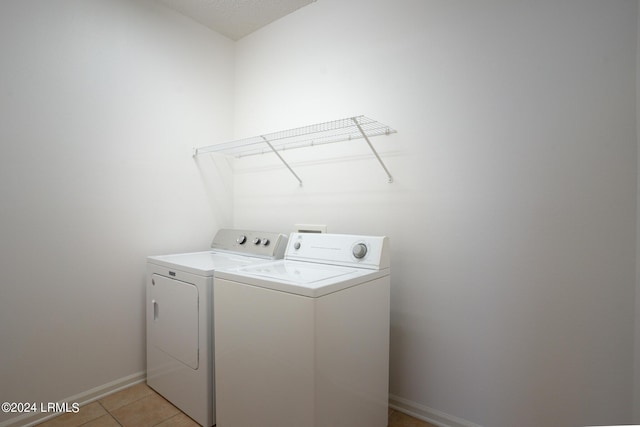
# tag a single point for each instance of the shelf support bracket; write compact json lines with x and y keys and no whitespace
{"x":281,"y":159}
{"x":364,"y":135}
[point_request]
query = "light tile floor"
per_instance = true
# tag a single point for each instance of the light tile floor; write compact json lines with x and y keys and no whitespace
{"x":140,"y":406}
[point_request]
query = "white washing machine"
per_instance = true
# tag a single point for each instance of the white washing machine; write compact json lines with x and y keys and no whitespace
{"x":304,"y":341}
{"x":179,"y":319}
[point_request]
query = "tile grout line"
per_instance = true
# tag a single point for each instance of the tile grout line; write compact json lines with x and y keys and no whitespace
{"x":127,"y":404}
{"x":152,"y":393}
{"x":172,"y":416}
{"x":100,"y":416}
{"x":110,"y":414}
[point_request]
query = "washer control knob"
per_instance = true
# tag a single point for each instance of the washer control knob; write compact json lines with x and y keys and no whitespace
{"x":241,"y":239}
{"x":296,"y":245}
{"x":265,"y":242}
{"x":256,"y":241}
{"x":359,"y":250}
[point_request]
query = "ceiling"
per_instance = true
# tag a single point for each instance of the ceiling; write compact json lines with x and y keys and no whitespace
{"x":235,"y":18}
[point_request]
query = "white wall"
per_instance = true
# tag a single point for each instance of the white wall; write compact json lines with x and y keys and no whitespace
{"x":510,"y":216}
{"x":514,"y":202}
{"x":100,"y":104}
{"x":636,"y":387}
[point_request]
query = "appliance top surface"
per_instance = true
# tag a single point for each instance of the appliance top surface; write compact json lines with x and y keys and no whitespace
{"x":203,"y":263}
{"x":300,"y":273}
{"x":301,"y":278}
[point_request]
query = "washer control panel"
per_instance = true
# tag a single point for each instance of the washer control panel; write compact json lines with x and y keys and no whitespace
{"x":339,"y":249}
{"x":248,"y":242}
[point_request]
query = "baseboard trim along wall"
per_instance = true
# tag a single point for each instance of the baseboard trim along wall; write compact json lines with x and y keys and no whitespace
{"x":31,"y":419}
{"x":427,"y":414}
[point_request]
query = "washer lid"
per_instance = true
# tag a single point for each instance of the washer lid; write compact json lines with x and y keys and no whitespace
{"x":301,"y":273}
{"x":301,"y":278}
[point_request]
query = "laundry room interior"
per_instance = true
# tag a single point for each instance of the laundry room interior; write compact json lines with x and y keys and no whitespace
{"x":512,"y":212}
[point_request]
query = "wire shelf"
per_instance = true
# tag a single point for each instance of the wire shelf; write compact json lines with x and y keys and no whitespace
{"x":318,"y":134}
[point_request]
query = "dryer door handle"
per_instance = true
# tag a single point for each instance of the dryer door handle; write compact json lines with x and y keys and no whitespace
{"x":155,"y":309}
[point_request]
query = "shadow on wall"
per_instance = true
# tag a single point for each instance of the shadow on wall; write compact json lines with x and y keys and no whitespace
{"x":216,"y":174}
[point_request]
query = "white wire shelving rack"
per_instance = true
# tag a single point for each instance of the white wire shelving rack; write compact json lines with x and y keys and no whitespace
{"x":359,"y":127}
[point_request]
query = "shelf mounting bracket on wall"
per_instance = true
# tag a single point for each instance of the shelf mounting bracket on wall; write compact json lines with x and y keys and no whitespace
{"x":281,"y":159}
{"x":375,"y":153}
{"x":317,"y":134}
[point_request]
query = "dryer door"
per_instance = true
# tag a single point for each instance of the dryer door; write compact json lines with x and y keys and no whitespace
{"x":174,"y":328}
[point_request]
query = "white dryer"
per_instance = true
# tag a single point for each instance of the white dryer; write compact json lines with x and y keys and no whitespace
{"x":304,"y":341}
{"x":179,"y":318}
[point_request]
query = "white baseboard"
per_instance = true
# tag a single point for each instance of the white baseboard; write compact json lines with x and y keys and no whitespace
{"x":31,"y":419}
{"x":427,"y":414}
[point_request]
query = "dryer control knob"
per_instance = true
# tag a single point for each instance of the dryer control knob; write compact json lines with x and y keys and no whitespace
{"x":296,"y":245}
{"x":256,"y":241}
{"x":265,"y":242}
{"x":359,"y":250}
{"x":241,"y":239}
